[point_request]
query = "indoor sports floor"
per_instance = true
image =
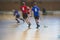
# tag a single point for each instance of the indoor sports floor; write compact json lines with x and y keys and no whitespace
{"x":49,"y":28}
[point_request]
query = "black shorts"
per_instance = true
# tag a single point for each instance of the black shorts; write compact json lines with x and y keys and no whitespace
{"x":36,"y":17}
{"x":17,"y":16}
{"x":25,"y":15}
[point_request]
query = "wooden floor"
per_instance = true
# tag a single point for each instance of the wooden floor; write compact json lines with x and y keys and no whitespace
{"x":49,"y":28}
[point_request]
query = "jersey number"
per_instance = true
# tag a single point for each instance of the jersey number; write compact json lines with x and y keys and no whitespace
{"x":35,"y":10}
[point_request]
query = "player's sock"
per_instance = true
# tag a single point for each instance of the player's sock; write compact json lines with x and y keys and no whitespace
{"x":29,"y":25}
{"x":38,"y":26}
{"x":22,"y":19}
{"x":17,"y":21}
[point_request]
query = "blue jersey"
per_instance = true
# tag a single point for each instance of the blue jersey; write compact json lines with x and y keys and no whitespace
{"x":16,"y":13}
{"x":35,"y":9}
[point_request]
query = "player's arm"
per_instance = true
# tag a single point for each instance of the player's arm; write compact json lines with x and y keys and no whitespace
{"x":31,"y":12}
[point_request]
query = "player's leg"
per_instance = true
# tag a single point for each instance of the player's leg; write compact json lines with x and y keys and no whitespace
{"x":22,"y":19}
{"x":37,"y":21}
{"x":17,"y":18}
{"x":27,"y":20}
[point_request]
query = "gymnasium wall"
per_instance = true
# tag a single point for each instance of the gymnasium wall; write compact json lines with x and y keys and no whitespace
{"x":8,"y":6}
{"x":50,"y":0}
{"x":30,"y":0}
{"x":53,"y":6}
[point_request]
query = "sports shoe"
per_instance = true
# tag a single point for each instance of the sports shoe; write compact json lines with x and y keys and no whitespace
{"x":38,"y":26}
{"x":29,"y":25}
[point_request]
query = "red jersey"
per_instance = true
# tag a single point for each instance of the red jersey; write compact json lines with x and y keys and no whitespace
{"x":24,"y":9}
